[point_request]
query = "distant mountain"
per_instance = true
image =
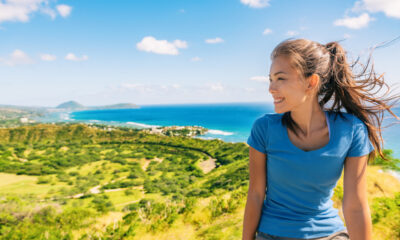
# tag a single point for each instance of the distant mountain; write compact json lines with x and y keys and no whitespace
{"x":73,"y":105}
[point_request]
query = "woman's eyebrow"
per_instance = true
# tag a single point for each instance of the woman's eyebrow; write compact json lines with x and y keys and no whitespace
{"x":276,"y":73}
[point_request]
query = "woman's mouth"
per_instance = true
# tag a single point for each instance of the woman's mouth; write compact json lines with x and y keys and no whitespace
{"x":278,"y":100}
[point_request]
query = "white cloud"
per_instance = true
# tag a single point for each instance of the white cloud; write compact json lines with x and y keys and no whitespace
{"x":64,"y":10}
{"x":358,"y":7}
{"x":73,"y":57}
{"x":21,"y":10}
{"x":180,"y":44}
{"x":18,"y":57}
{"x":214,"y":40}
{"x":48,"y":57}
{"x":259,"y":79}
{"x":267,"y":31}
{"x":150,"y":44}
{"x":182,"y":10}
{"x":255,"y":3}
{"x":354,"y":22}
{"x":391,"y":8}
{"x":195,"y":59}
{"x":216,"y":87}
{"x":49,"y":11}
{"x":291,"y":33}
{"x":18,"y":10}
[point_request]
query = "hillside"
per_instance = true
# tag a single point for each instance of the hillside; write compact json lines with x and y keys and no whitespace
{"x":73,"y":105}
{"x":74,"y":181}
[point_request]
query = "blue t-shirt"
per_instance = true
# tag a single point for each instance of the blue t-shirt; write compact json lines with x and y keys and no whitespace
{"x":300,"y":183}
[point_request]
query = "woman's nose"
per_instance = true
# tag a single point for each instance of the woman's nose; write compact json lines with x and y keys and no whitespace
{"x":271,"y":87}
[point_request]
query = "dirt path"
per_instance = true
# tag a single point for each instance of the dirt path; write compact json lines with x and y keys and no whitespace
{"x":147,"y":162}
{"x":207,"y":165}
{"x":96,"y":189}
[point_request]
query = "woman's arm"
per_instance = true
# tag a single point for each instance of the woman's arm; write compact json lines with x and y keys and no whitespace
{"x":355,"y":203}
{"x":256,"y":193}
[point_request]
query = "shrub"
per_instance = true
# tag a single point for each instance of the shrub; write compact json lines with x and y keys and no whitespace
{"x":43,"y":180}
{"x":102,"y":203}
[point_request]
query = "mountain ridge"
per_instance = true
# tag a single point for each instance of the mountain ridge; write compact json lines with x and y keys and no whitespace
{"x":74,"y":105}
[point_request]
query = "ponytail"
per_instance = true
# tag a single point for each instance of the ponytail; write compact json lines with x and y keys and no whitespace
{"x":340,"y":85}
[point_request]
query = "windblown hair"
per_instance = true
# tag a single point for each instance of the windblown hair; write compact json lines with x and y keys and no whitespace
{"x":340,"y":85}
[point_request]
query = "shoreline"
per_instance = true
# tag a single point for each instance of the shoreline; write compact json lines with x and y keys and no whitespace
{"x":65,"y":116}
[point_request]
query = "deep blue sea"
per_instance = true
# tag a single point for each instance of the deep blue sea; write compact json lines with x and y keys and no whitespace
{"x":230,"y":122}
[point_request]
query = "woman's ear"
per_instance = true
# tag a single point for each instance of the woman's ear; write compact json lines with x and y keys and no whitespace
{"x":313,"y":82}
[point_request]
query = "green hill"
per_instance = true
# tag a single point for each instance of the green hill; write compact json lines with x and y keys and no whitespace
{"x":73,"y":105}
{"x":77,"y":181}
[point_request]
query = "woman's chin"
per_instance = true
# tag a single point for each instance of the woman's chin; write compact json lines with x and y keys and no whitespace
{"x":279,"y":110}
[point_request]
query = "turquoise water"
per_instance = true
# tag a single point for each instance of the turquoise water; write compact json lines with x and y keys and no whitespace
{"x":230,"y":122}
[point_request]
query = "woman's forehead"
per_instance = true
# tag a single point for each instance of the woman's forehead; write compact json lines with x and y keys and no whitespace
{"x":280,"y":64}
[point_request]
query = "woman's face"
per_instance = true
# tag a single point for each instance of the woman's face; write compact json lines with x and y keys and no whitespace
{"x":286,"y":86}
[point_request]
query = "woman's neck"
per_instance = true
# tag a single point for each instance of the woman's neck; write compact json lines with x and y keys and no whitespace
{"x":309,"y":118}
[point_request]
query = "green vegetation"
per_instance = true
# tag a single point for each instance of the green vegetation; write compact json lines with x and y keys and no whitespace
{"x":77,"y":181}
{"x":386,"y":214}
{"x":393,"y":164}
{"x":14,"y":116}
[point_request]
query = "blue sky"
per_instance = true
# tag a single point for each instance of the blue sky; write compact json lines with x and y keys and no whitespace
{"x":160,"y":52}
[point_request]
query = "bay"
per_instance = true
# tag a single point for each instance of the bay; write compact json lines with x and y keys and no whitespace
{"x":230,"y":122}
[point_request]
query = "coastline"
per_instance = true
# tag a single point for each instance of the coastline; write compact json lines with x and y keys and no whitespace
{"x":65,"y":116}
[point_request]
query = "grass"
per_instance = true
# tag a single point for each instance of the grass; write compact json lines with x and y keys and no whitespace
{"x":120,"y":199}
{"x":197,"y":225}
{"x":22,"y":184}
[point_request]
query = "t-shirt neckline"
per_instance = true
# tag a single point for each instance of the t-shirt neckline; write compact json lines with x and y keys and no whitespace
{"x":328,"y":122}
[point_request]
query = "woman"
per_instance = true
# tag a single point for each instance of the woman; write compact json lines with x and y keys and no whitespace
{"x":298,"y":154}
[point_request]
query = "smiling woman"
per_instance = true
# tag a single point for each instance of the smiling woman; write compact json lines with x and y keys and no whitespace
{"x":297,"y":154}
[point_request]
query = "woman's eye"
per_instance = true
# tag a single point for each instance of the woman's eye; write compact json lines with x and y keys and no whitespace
{"x":270,"y":80}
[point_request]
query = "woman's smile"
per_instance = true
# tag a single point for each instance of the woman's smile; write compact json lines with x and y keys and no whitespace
{"x":278,"y":100}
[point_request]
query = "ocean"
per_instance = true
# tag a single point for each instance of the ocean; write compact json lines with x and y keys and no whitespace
{"x":230,"y":122}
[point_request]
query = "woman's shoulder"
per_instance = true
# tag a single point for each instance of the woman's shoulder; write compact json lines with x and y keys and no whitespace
{"x":268,"y":120}
{"x":268,"y":117}
{"x":346,"y":118}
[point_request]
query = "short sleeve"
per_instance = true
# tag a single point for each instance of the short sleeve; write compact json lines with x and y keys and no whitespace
{"x":360,"y":145}
{"x":258,"y":135}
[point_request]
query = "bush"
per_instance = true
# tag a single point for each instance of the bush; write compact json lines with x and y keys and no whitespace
{"x":73,"y":173}
{"x":386,"y":211}
{"x":128,"y":192}
{"x":393,"y":163}
{"x":102,"y":203}
{"x":43,"y":180}
{"x":338,"y":193}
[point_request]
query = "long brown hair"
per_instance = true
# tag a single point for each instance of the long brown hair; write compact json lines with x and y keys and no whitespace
{"x":340,"y":85}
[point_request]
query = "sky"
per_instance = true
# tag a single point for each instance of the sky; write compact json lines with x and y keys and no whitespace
{"x":174,"y":52}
